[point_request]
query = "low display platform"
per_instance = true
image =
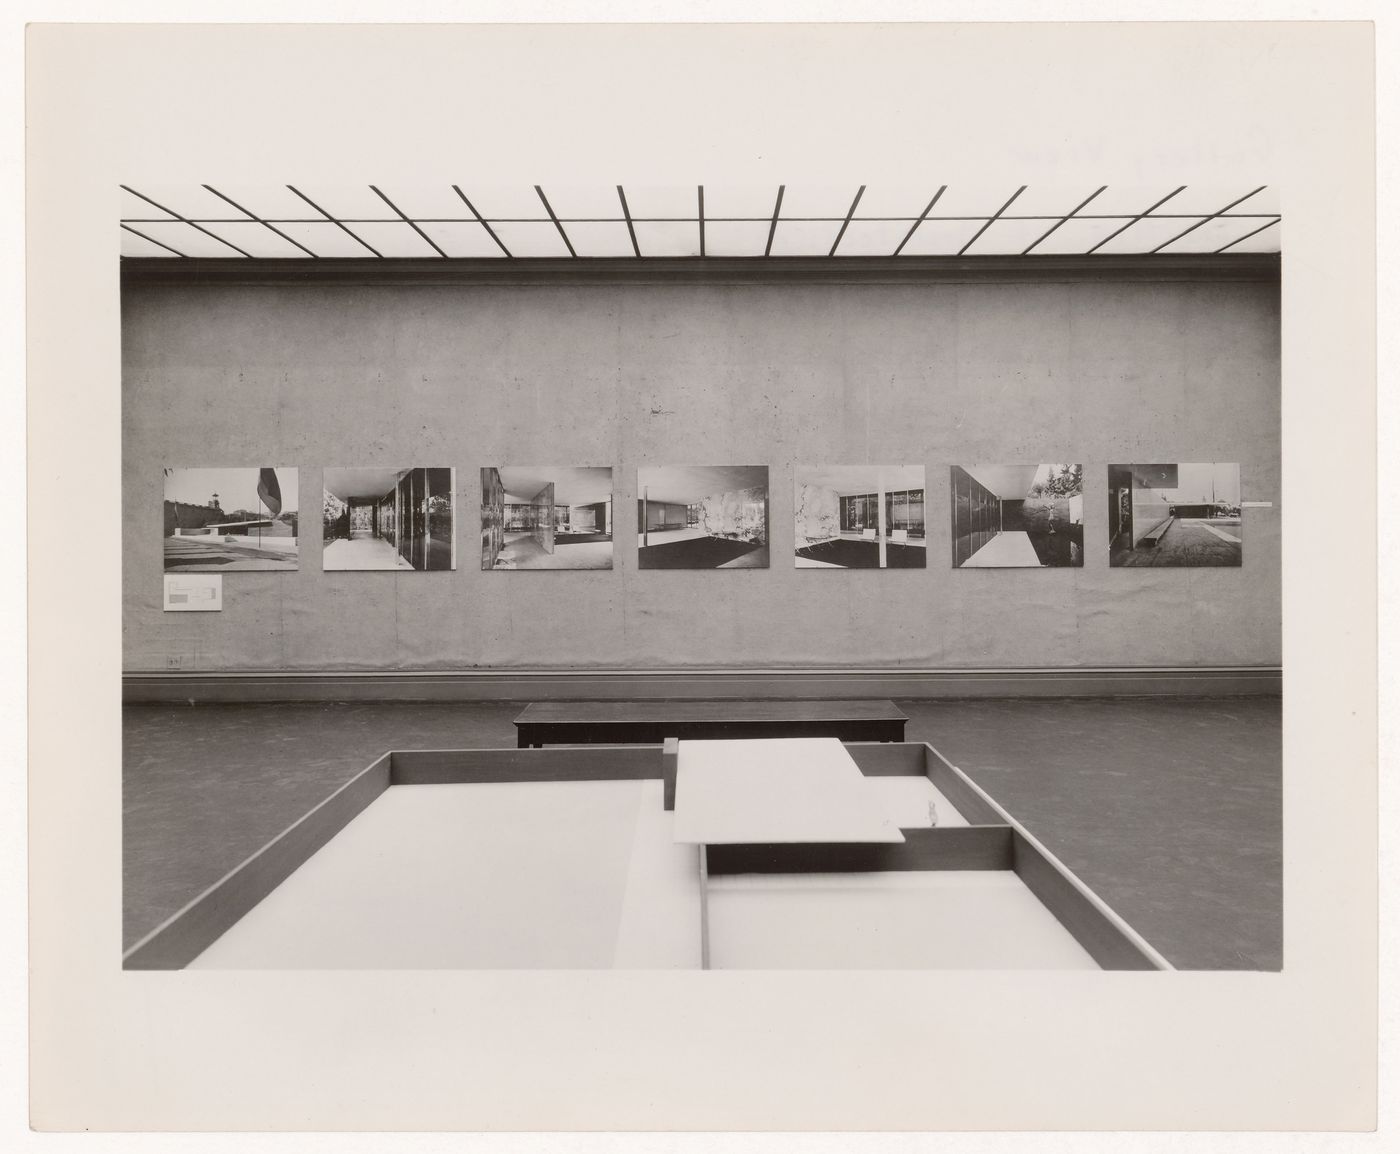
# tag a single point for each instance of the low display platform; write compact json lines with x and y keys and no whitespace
{"x":571,"y":858}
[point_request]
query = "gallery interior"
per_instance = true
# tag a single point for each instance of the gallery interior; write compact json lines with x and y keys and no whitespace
{"x":546,"y":518}
{"x":388,"y":519}
{"x":1017,"y":516}
{"x":860,"y":517}
{"x":707,"y":517}
{"x":859,"y":350}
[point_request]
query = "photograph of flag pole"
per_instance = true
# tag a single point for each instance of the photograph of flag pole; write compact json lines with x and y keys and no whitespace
{"x":230,"y":520}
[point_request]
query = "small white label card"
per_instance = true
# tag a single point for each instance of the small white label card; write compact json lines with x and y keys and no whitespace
{"x":194,"y":592}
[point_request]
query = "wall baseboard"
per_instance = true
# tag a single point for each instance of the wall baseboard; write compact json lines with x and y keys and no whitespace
{"x":616,"y":684}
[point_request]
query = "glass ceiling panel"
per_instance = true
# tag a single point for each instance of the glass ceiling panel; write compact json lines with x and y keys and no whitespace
{"x":940,"y":237}
{"x":1007,"y":237}
{"x":872,"y":237}
{"x":668,"y":238}
{"x":804,"y":237}
{"x":462,"y":238}
{"x":500,"y":203}
{"x":1047,"y":200}
{"x":418,"y":201}
{"x":820,"y":201}
{"x":903,"y":202}
{"x":531,"y":238}
{"x":1214,"y":234}
{"x":346,"y":202}
{"x":755,"y":202}
{"x":1266,"y":201}
{"x":325,"y":239}
{"x":1201,"y":200}
{"x":573,"y":202}
{"x":186,"y":239}
{"x":256,"y":239}
{"x":133,"y":245}
{"x":269,"y":201}
{"x":659,"y":202}
{"x":1147,"y":234}
{"x":393,"y":239}
{"x":735,"y":237}
{"x":1269,"y":240}
{"x":975,"y":200}
{"x":188,"y":200}
{"x":1077,"y":236}
{"x":134,"y":208}
{"x":599,"y":238}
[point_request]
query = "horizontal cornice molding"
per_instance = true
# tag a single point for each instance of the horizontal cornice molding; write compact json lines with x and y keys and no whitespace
{"x":604,"y":684}
{"x":1174,"y":267}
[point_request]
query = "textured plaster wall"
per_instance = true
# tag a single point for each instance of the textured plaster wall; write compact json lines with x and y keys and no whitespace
{"x":654,"y":375}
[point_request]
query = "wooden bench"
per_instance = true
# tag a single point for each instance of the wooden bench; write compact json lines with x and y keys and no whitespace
{"x":651,"y":722}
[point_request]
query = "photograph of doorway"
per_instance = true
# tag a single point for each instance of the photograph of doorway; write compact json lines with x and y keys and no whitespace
{"x":387,"y":518}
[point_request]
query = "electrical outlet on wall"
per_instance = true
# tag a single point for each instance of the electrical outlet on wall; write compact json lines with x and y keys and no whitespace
{"x":175,"y":661}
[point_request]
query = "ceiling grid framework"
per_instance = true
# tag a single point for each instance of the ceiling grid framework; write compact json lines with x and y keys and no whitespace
{"x":634,"y":222}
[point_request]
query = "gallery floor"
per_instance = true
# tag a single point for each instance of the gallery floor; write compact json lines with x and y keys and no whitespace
{"x":1170,"y":809}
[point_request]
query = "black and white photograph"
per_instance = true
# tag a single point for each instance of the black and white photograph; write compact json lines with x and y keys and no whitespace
{"x":1017,"y":516}
{"x":1175,"y":516}
{"x":387,"y":518}
{"x":546,"y":517}
{"x":230,"y":520}
{"x":859,"y":517}
{"x":702,"y":517}
{"x":420,"y":817}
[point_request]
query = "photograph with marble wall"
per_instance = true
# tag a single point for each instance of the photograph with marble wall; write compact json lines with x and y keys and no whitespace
{"x":702,"y":517}
{"x":1017,"y":516}
{"x":1174,"y":516}
{"x":859,"y":517}
{"x":388,"y":518}
{"x":546,"y":517}
{"x":230,"y":520}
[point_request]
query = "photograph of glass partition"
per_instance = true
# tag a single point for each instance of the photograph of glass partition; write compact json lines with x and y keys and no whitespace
{"x":859,"y":517}
{"x":1017,"y":516}
{"x":380,"y":518}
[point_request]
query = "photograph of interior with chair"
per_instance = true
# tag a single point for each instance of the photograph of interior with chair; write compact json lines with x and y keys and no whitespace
{"x":230,"y":520}
{"x":1174,"y":516}
{"x":546,"y":518}
{"x":702,"y":517}
{"x":388,"y":518}
{"x":859,"y":517}
{"x":1017,"y":516}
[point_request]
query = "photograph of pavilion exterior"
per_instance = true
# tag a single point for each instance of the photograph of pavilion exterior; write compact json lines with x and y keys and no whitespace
{"x":702,"y":517}
{"x":543,"y":517}
{"x":385,"y":518}
{"x":230,"y":520}
{"x":859,"y":517}
{"x":1017,"y":516}
{"x":1174,"y":515}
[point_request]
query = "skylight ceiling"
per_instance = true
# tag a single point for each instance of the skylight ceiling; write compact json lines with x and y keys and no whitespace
{"x":384,"y":221}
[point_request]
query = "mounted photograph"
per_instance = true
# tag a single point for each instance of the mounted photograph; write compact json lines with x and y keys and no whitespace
{"x":546,"y":517}
{"x":702,"y":517}
{"x":386,"y":518}
{"x":1184,"y":516}
{"x":230,"y":520}
{"x":859,"y":517}
{"x":1018,"y":516}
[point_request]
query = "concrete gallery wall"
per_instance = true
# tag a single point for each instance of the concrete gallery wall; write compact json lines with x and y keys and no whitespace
{"x":322,"y":374}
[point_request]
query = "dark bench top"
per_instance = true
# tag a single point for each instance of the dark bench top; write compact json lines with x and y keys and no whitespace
{"x":605,"y":712}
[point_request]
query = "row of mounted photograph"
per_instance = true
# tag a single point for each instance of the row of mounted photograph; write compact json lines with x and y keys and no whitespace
{"x":1023,"y":516}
